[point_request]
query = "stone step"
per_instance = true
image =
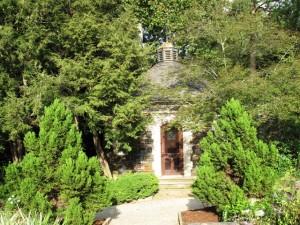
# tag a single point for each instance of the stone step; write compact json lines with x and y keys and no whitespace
{"x":173,"y":193}
{"x":176,"y":179}
{"x":177,"y":186}
{"x":176,"y":182}
{"x":162,"y":182}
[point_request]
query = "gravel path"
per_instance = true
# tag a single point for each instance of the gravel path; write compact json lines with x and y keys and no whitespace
{"x":150,"y":212}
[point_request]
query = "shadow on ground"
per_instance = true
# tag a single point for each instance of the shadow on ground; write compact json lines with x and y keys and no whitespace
{"x":109,"y":212}
{"x":194,"y":204}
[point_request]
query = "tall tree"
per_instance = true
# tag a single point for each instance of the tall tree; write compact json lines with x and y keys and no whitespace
{"x":87,"y":53}
{"x":222,"y":35}
{"x":218,"y":46}
{"x":160,"y":19}
{"x":286,"y":13}
{"x":98,"y":76}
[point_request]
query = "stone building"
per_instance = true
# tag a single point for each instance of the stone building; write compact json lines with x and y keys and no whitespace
{"x":166,"y":150}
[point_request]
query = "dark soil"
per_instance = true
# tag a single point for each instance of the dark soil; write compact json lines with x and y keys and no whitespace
{"x":200,"y":216}
{"x":98,"y":222}
{"x":190,"y":216}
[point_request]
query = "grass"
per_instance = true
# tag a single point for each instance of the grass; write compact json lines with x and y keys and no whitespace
{"x":19,"y":218}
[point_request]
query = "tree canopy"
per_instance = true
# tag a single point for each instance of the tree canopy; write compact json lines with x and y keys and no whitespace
{"x":71,"y":88}
{"x":87,"y":53}
{"x":238,"y":49}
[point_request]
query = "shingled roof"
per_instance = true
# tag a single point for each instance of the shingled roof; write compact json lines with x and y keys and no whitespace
{"x":166,"y":80}
{"x":165,"y":74}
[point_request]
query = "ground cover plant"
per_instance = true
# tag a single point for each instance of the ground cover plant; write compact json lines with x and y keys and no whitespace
{"x":280,"y":206}
{"x":20,"y":218}
{"x":133,"y":186}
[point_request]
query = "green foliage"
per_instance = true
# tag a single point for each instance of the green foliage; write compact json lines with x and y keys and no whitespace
{"x":20,"y":218}
{"x":234,"y":164}
{"x":80,"y":178}
{"x":217,"y":44}
{"x":285,"y":14}
{"x":214,"y":188}
{"x":160,"y":19}
{"x":273,"y":103}
{"x":32,"y":198}
{"x":86,"y":53}
{"x":75,"y":213}
{"x":129,"y":187}
{"x":56,"y":174}
{"x":286,"y":198}
{"x":281,"y":206}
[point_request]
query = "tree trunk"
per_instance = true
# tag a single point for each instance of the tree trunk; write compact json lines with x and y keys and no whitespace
{"x":253,"y":41}
{"x":222,"y":42}
{"x":253,"y":7}
{"x":101,"y":156}
{"x":253,"y":53}
{"x":17,"y":151}
{"x":76,"y":120}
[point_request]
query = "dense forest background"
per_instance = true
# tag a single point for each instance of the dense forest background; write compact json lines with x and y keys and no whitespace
{"x":90,"y":55}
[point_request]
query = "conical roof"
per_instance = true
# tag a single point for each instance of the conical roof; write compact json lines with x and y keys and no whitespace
{"x":166,"y":44}
{"x":165,"y":74}
{"x":166,"y":80}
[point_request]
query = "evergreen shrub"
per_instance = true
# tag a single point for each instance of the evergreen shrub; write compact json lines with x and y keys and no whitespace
{"x":56,"y":177}
{"x":235,"y":164}
{"x":133,"y":186}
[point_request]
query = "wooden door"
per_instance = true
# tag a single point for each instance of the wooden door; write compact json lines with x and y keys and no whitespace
{"x":172,"y":152}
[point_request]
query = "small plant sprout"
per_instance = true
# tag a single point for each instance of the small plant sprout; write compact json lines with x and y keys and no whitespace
{"x":13,"y":200}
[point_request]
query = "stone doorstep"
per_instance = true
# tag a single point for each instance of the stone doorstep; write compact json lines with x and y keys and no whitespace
{"x":175,"y":186}
{"x":176,"y":181}
{"x":181,"y":178}
{"x":165,"y":182}
{"x":173,"y":193}
{"x":208,"y":223}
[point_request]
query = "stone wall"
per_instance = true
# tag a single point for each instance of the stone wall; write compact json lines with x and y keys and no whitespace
{"x":138,"y":160}
{"x":144,"y":156}
{"x":196,"y":152}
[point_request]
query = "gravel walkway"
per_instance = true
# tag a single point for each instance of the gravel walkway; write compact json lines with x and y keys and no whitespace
{"x":149,"y":212}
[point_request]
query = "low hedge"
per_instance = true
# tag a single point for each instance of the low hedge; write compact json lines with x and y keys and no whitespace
{"x":133,"y":186}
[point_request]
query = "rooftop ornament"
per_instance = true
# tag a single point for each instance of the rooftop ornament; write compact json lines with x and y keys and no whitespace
{"x":167,"y":52}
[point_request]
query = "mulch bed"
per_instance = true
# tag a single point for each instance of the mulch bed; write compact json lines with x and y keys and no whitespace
{"x":200,"y":216}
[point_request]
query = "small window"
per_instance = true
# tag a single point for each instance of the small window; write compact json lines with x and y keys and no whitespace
{"x":171,"y":135}
{"x":168,"y":55}
{"x":160,"y":56}
{"x":175,"y":55}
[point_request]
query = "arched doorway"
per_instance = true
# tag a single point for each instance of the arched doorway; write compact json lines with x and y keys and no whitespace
{"x":171,"y":151}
